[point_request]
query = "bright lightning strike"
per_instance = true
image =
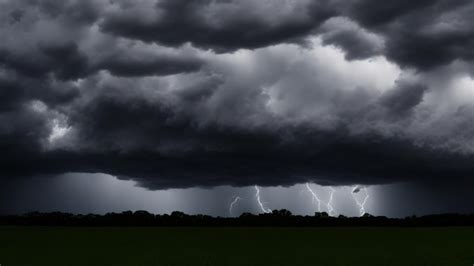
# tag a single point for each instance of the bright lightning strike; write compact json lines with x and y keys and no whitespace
{"x":257,"y":195}
{"x":233,"y":203}
{"x":362,"y":203}
{"x":329,"y":203}
{"x":315,"y":197}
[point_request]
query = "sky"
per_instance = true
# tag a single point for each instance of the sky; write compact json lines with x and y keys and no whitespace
{"x":109,"y":105}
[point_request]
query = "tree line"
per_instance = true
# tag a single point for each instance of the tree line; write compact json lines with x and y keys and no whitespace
{"x":276,"y":218}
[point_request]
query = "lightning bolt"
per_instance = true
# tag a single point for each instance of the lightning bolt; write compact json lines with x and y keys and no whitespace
{"x":329,"y":203}
{"x":362,"y":203}
{"x":257,"y":195}
{"x":232,"y":204}
{"x":315,"y":197}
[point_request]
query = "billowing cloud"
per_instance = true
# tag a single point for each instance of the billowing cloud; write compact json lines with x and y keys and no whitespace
{"x":237,"y":92}
{"x":219,"y":25}
{"x":356,"y":42}
{"x":422,"y":34}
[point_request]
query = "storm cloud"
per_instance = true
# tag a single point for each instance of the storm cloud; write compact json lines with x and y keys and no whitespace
{"x":219,"y":25}
{"x":204,"y":93}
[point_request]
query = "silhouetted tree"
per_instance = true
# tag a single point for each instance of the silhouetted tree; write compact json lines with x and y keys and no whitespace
{"x":281,"y":213}
{"x":321,"y":214}
{"x":276,"y":218}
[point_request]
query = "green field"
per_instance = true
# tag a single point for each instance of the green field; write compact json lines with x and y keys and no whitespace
{"x":236,"y":246}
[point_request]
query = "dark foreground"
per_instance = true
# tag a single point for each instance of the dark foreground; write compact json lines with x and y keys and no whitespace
{"x":240,"y":246}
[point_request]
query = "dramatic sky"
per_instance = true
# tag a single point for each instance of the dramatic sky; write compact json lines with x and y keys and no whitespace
{"x":167,"y":102}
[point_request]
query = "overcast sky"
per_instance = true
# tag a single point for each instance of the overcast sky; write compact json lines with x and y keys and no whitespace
{"x":227,"y":94}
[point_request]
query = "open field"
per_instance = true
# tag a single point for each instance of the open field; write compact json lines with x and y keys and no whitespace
{"x":236,"y":246}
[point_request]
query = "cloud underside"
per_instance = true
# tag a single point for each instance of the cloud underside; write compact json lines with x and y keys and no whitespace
{"x":177,"y":93}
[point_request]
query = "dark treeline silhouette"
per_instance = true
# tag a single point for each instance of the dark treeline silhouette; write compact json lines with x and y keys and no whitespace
{"x":276,"y":218}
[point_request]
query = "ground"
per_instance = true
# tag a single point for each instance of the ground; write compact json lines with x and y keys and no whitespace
{"x":235,"y":246}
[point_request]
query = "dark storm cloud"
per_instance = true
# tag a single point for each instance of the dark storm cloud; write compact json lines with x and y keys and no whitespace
{"x":262,"y":160}
{"x":421,"y":34}
{"x":129,"y":88}
{"x":375,"y":13}
{"x":356,"y":42}
{"x":67,"y":61}
{"x":404,"y":98}
{"x":124,"y":64}
{"x":10,"y":93}
{"x":219,"y":25}
{"x":72,"y":11}
{"x":128,"y":134}
{"x":64,"y":61}
{"x":45,"y":51}
{"x":54,"y":38}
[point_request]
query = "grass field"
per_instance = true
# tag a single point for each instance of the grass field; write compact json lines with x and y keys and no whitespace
{"x":236,"y":246}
